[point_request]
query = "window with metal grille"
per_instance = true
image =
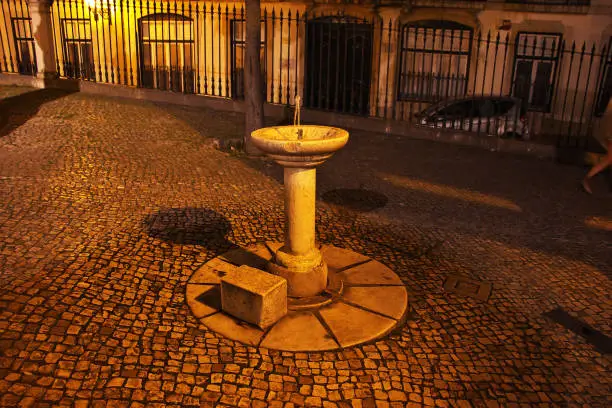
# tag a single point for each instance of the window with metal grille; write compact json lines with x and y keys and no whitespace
{"x":24,"y":44}
{"x":605,"y":87}
{"x":434,"y":60}
{"x":77,"y":49}
{"x":238,"y":49}
{"x":166,"y":52}
{"x":536,"y":60}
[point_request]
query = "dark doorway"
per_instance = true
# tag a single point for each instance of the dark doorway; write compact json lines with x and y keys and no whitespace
{"x":338,"y":64}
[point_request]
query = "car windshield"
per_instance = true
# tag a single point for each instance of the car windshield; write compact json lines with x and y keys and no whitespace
{"x":456,"y":109}
{"x":504,"y":106}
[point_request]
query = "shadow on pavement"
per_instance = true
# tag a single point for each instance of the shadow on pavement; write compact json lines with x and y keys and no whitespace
{"x":207,"y":122}
{"x":190,"y":226}
{"x":592,"y":336}
{"x":18,"y":109}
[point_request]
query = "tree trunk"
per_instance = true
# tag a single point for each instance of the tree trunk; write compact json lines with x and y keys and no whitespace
{"x":253,"y":93}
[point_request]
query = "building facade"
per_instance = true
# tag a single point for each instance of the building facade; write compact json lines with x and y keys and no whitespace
{"x":386,"y":59}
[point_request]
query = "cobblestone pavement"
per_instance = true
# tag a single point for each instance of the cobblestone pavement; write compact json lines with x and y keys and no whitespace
{"x":107,"y":206}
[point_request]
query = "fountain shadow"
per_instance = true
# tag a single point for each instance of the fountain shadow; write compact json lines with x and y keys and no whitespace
{"x":190,"y":226}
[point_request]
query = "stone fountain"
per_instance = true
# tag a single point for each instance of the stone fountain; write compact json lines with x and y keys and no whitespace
{"x":297,"y":295}
{"x":299,"y":149}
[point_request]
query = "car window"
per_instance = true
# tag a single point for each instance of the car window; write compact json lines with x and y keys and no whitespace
{"x":486,"y":108}
{"x":456,"y":109}
{"x":502,"y":107}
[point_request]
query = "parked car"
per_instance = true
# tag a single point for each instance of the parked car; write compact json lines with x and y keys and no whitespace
{"x":492,"y":115}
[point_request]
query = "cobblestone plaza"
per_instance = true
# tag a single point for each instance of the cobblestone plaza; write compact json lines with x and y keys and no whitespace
{"x":108,"y":206}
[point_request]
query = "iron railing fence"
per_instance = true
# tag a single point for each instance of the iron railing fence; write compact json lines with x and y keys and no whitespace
{"x":16,"y":42}
{"x":337,"y":63}
{"x":562,"y":88}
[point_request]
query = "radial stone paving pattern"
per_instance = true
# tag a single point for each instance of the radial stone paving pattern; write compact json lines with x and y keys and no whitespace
{"x":365,"y":301}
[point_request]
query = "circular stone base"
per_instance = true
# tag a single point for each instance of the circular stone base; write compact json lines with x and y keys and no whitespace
{"x":364,"y":301}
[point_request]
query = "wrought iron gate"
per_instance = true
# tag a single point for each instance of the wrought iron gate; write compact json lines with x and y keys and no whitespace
{"x":338,"y":64}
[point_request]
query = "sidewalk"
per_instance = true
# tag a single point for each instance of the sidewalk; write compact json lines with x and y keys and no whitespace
{"x":107,"y":206}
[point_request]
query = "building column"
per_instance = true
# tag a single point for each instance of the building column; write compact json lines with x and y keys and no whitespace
{"x":42,"y":31}
{"x":386,"y":87}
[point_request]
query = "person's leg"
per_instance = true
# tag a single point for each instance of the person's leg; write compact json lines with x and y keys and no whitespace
{"x":605,"y":162}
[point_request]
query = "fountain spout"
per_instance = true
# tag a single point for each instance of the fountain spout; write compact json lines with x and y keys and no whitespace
{"x":296,"y":117}
{"x":298,"y":107}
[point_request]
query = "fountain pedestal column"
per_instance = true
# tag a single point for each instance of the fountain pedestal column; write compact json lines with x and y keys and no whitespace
{"x":300,"y":211}
{"x":298,"y":260}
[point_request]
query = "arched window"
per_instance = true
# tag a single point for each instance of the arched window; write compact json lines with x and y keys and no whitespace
{"x":166,"y":52}
{"x":434,"y":60}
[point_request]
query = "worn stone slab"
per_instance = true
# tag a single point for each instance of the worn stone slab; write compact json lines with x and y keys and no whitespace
{"x":253,"y":295}
{"x":211,"y":272}
{"x":233,"y":328}
{"x":338,"y":258}
{"x":351,"y":325}
{"x":391,"y":301}
{"x":370,"y":273}
{"x":256,"y":256}
{"x":299,"y":331}
{"x":203,"y":300}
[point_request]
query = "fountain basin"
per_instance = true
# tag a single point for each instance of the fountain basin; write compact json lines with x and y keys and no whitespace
{"x":299,"y":145}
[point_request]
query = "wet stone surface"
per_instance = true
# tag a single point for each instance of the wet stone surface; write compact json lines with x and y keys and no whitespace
{"x":108,"y":206}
